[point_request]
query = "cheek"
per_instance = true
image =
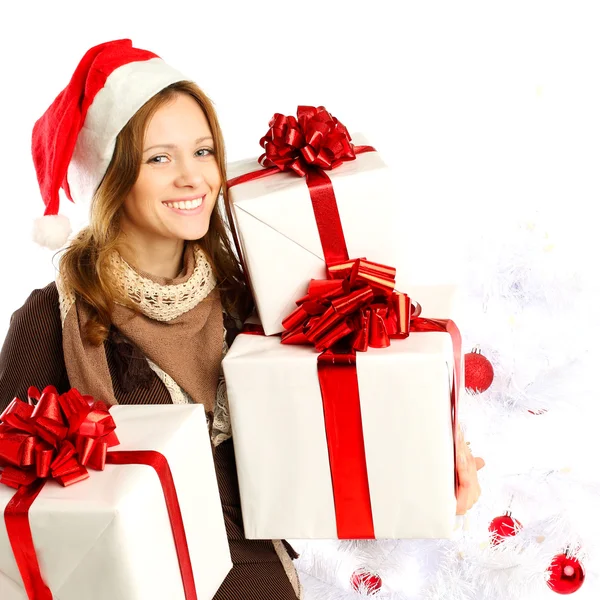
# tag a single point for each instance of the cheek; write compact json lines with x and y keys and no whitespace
{"x":213,"y":176}
{"x":147,"y":188}
{"x":138,"y":205}
{"x":151,"y":182}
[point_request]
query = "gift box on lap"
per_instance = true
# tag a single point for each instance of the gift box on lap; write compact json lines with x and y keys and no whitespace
{"x":110,"y":535}
{"x":405,"y":421}
{"x":276,"y":229}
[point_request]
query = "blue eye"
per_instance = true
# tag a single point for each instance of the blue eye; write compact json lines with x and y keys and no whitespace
{"x":205,"y":151}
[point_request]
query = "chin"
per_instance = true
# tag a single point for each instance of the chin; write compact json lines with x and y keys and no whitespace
{"x":194,"y":234}
{"x":188,"y":229}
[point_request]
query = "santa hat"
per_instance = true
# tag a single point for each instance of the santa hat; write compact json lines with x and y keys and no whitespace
{"x":73,"y":142}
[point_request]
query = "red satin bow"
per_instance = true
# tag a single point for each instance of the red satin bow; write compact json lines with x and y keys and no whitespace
{"x":55,"y":438}
{"x":314,"y":139}
{"x":357,"y":302}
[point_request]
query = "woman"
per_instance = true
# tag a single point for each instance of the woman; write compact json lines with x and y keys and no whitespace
{"x":149,"y":293}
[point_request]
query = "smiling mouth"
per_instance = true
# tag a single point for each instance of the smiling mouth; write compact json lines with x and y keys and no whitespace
{"x":185,"y":204}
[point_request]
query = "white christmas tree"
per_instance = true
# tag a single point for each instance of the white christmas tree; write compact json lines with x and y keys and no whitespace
{"x":529,"y":305}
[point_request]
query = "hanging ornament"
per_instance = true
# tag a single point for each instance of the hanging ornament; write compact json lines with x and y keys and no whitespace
{"x":566,"y":574}
{"x":479,"y":372}
{"x":503,"y":527}
{"x":364,"y":581}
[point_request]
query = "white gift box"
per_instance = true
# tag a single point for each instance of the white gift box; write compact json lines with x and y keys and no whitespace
{"x":109,"y":537}
{"x":278,"y":234}
{"x":275,"y":402}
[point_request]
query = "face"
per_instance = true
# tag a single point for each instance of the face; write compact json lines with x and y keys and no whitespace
{"x":176,"y":190}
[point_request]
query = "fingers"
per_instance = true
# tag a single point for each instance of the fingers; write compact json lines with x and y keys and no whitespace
{"x":467,"y":466}
{"x":464,"y":493}
{"x":466,"y":497}
{"x":469,"y":489}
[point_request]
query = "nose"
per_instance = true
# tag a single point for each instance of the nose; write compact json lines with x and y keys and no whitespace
{"x":189,"y":173}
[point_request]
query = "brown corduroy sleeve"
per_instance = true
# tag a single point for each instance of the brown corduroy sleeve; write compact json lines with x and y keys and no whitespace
{"x":32,"y":350}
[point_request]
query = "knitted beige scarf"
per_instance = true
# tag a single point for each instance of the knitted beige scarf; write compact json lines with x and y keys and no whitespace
{"x":178,"y":326}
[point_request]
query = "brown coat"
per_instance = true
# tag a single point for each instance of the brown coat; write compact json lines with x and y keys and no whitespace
{"x":32,"y":355}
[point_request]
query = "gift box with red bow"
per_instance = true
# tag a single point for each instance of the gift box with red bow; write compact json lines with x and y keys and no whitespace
{"x":97,"y":504}
{"x":360,"y":402}
{"x":279,"y":213}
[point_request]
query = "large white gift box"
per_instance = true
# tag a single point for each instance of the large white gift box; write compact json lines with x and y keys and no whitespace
{"x":275,"y":402}
{"x":278,"y":235}
{"x":109,"y":537}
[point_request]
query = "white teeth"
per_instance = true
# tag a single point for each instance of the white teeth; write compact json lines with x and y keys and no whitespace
{"x":186,"y":204}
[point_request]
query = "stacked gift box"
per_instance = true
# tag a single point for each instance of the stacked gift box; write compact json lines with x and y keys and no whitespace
{"x":355,"y":378}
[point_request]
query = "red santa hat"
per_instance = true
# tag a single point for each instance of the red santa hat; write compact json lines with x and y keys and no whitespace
{"x":74,"y":140}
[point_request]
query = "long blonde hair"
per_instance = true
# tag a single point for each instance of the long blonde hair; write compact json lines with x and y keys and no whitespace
{"x":84,"y":266}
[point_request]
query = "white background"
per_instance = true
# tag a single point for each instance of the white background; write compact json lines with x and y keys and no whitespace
{"x":486,"y":110}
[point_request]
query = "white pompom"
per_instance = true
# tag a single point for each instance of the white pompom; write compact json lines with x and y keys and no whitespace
{"x":51,"y":231}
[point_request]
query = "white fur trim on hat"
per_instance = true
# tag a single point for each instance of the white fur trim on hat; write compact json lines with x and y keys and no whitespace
{"x":125,"y":91}
{"x":51,"y":231}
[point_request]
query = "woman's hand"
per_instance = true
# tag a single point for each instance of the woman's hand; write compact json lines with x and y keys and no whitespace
{"x":467,"y":466}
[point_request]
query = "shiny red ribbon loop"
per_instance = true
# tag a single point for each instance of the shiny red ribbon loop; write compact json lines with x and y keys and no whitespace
{"x":314,"y":139}
{"x":54,"y":436}
{"x":358,"y":302}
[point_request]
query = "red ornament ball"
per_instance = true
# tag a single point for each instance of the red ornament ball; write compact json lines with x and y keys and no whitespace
{"x":566,"y":574}
{"x":503,"y":527}
{"x":366,"y":582}
{"x":479,"y":372}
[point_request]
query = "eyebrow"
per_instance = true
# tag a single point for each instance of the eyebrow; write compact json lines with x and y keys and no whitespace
{"x":171,"y":146}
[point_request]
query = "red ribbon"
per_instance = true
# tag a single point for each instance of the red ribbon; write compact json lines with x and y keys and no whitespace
{"x":56,"y":438}
{"x":16,"y":517}
{"x":423,"y":325}
{"x":160,"y":464}
{"x":345,"y":444}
